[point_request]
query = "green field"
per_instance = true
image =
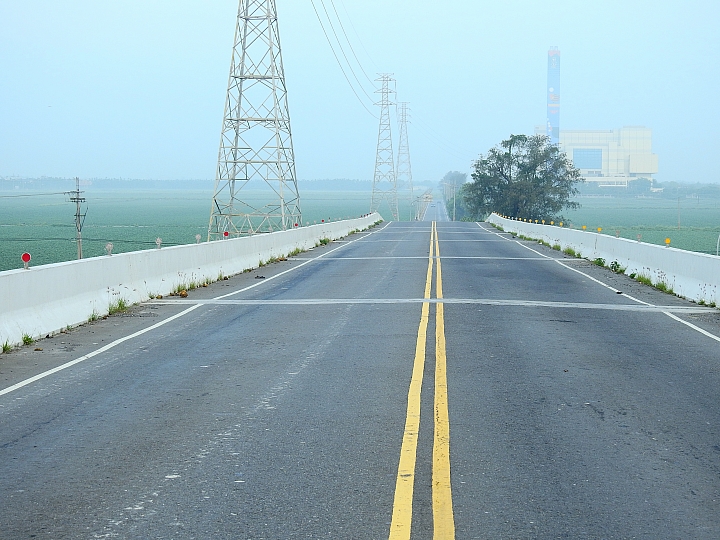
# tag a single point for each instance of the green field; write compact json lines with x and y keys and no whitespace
{"x":44,"y":225}
{"x":654,"y":220}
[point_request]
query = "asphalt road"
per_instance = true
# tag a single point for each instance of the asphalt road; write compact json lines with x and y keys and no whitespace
{"x":436,"y":211}
{"x":372,"y":389}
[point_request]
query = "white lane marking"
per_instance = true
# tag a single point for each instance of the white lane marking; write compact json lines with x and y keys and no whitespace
{"x":117,"y":342}
{"x":424,"y":258}
{"x":444,"y":240}
{"x":696,"y":328}
{"x":665,"y":311}
{"x":484,"y":301}
{"x":94,"y":353}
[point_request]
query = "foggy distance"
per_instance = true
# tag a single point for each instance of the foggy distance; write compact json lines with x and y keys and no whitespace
{"x":101,"y":90}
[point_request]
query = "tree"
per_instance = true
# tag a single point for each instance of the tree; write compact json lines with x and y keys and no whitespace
{"x":450,"y":186}
{"x":524,"y":177}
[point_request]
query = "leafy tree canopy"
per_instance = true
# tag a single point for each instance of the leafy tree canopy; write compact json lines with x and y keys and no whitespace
{"x":524,"y":177}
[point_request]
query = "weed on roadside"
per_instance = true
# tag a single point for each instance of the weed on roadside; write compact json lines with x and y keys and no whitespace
{"x":664,"y":287}
{"x":118,"y":306}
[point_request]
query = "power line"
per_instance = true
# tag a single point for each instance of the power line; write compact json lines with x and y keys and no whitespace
{"x":342,"y":50}
{"x":349,"y":43}
{"x":439,"y":138}
{"x":113,"y":240}
{"x":439,"y":142}
{"x":337,"y":59}
{"x":358,"y":36}
{"x":32,"y":195}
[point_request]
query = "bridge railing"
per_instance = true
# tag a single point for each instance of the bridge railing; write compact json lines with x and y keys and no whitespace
{"x":691,"y":275}
{"x":46,"y":299}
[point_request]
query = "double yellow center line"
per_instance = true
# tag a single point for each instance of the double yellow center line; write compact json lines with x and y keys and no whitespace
{"x":443,"y":520}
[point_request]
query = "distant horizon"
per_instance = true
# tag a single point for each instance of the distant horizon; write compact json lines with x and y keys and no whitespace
{"x":212,"y":180}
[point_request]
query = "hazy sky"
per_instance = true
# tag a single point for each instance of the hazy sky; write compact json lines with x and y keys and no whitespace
{"x":136,"y":88}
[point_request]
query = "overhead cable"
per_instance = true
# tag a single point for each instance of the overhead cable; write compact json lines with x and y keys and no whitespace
{"x":32,"y":195}
{"x":337,"y":59}
{"x":349,"y":43}
{"x":342,"y":50}
{"x":358,"y":36}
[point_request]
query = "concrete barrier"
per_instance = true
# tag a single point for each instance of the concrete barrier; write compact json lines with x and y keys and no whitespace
{"x":46,"y":299}
{"x":695,"y":276}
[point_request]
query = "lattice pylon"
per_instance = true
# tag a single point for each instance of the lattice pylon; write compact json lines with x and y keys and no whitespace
{"x":403,"y":175}
{"x":385,"y":181}
{"x":255,"y":184}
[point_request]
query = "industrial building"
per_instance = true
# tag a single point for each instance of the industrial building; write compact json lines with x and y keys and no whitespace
{"x":607,"y":158}
{"x":611,"y":157}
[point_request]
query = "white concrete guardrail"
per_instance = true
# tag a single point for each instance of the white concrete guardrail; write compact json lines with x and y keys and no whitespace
{"x":46,"y":299}
{"x":695,"y":276}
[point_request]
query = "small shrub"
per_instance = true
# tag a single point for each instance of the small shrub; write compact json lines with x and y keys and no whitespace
{"x":325,"y":241}
{"x":701,"y":302}
{"x":664,"y":287}
{"x":712,"y":304}
{"x":615,"y":267}
{"x":27,"y":339}
{"x":118,"y":306}
{"x":556,"y":247}
{"x":633,"y":275}
{"x":599,"y":261}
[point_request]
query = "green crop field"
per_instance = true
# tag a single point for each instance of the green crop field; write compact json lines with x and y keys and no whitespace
{"x":44,"y":225}
{"x":691,"y":224}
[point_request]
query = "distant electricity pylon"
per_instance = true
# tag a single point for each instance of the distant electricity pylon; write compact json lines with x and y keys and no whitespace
{"x":256,"y":152}
{"x":384,"y":181}
{"x":404,"y":170}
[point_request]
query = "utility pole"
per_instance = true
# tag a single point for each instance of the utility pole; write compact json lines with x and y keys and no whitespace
{"x":385,"y":181}
{"x":79,"y":218}
{"x":403,"y":174}
{"x":256,"y":150}
{"x":454,"y":196}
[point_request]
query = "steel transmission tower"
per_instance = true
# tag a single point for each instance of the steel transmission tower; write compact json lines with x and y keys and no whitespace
{"x":404,"y":170}
{"x":385,"y":181}
{"x":255,"y":184}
